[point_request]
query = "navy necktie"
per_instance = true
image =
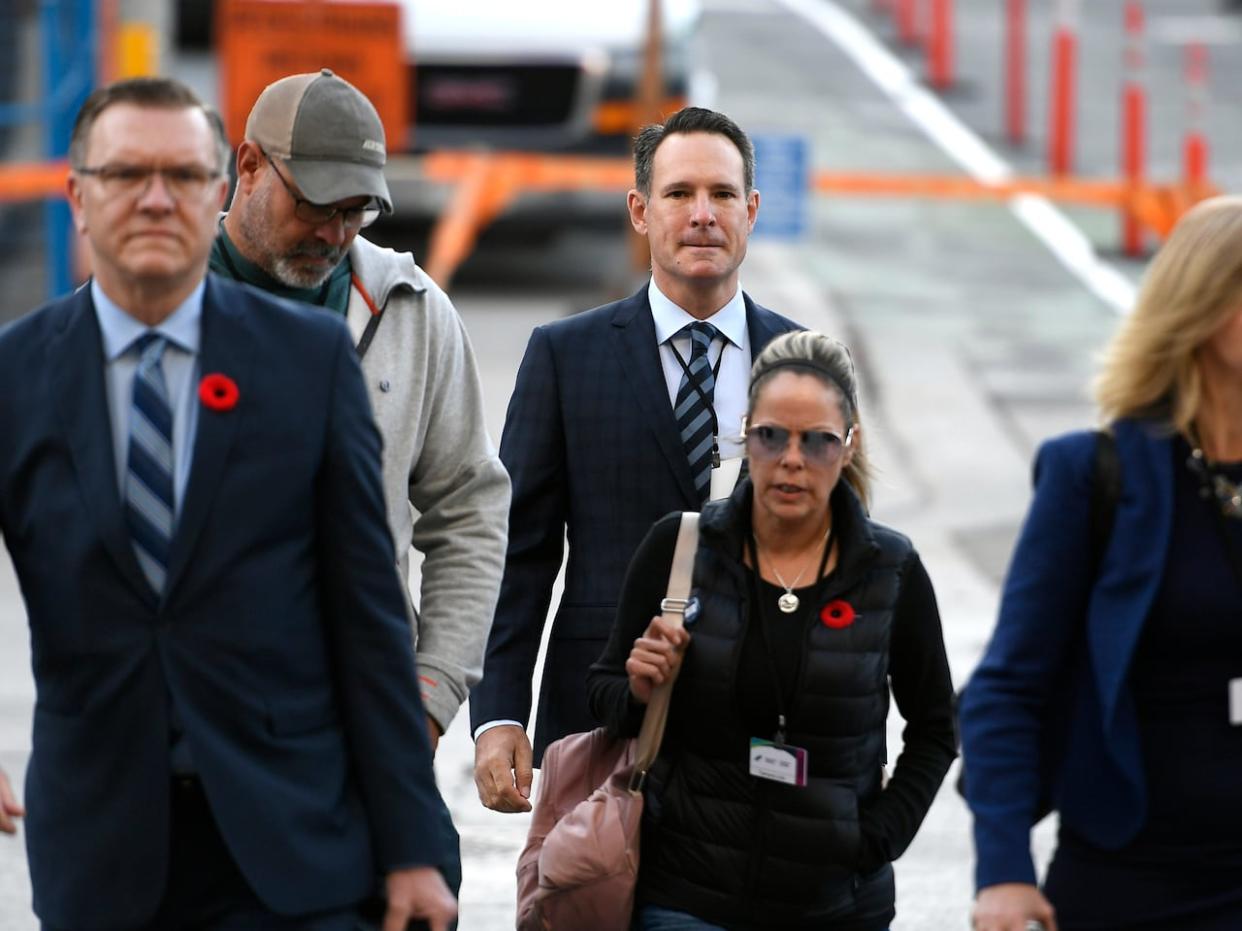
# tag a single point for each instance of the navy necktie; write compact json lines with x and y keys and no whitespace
{"x":693,"y":410}
{"x":149,"y":501}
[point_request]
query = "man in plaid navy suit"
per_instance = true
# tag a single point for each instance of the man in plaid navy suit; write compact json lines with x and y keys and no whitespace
{"x":619,"y":416}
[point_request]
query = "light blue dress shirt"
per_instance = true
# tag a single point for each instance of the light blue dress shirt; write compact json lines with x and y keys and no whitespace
{"x":183,"y":331}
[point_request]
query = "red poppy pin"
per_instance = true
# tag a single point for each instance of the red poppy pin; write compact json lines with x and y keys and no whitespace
{"x":837,"y":614}
{"x":218,"y":392}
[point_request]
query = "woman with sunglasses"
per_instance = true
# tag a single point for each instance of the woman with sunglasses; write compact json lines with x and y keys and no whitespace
{"x":1111,"y":690}
{"x":768,"y":806}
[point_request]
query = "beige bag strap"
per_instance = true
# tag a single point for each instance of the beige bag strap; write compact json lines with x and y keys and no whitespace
{"x":673,"y":607}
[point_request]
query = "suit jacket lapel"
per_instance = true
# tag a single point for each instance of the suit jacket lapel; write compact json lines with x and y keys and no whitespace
{"x":1134,"y":560}
{"x":761,"y":325}
{"x":225,"y":350}
{"x":76,"y":367}
{"x":636,"y":337}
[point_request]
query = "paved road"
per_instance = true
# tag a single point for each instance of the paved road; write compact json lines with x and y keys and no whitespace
{"x":974,"y":340}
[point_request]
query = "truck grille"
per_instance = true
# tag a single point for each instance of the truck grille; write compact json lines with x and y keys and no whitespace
{"x":495,"y":95}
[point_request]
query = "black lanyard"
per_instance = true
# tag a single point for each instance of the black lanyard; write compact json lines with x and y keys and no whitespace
{"x":764,"y":613}
{"x":707,"y":402}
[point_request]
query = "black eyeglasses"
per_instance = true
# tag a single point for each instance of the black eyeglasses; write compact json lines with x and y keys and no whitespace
{"x":180,"y":181}
{"x":318,"y":214}
{"x":823,"y":447}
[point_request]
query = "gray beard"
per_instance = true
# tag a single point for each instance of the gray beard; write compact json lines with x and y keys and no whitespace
{"x":284,"y":270}
{"x":282,"y":267}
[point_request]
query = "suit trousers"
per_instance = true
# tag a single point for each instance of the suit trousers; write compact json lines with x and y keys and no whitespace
{"x":206,"y":891}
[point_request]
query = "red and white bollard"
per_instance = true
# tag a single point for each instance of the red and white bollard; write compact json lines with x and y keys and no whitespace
{"x":1015,"y":71}
{"x":1064,"y":88}
{"x":907,"y":22}
{"x":940,"y":45}
{"x":1195,"y":147}
{"x":1133,"y":124}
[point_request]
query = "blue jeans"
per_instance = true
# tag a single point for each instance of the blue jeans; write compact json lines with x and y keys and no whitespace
{"x":654,"y":918}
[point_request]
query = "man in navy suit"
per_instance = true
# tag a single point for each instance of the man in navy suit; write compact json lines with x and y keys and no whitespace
{"x":619,"y":416}
{"x":228,"y":731}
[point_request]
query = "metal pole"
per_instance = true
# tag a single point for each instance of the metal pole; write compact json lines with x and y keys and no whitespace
{"x":55,"y":210}
{"x":68,"y":75}
{"x":648,"y":98}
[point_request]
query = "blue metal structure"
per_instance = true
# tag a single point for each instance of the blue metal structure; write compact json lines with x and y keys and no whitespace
{"x":70,"y":51}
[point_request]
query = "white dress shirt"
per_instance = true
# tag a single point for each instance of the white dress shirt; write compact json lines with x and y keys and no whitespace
{"x":733,"y":353}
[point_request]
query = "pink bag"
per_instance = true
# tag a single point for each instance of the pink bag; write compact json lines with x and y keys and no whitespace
{"x":579,"y":867}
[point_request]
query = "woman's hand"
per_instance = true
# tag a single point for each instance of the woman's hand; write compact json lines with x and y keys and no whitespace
{"x":656,"y":657}
{"x":1011,"y":907}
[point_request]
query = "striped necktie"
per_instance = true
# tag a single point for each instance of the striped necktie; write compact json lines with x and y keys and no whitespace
{"x":149,"y":501}
{"x":692,"y":408}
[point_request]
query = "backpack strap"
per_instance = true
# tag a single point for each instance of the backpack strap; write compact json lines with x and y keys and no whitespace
{"x":1105,"y":492}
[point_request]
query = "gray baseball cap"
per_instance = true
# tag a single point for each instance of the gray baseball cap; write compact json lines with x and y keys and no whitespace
{"x":327,"y":132}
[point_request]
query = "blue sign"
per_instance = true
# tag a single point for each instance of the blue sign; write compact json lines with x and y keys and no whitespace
{"x":783,"y":177}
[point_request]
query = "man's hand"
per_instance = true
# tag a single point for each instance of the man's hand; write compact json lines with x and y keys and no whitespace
{"x":433,"y":734}
{"x":502,"y":768}
{"x":1010,"y":906}
{"x":419,"y":893}
{"x":9,"y":809}
{"x":656,"y":657}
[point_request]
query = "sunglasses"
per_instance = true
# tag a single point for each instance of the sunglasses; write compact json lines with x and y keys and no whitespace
{"x":823,"y":447}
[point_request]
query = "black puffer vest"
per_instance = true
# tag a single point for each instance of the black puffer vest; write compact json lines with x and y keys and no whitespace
{"x":747,"y":852}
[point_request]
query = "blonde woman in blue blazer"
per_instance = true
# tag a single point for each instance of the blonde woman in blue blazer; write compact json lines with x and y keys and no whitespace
{"x":1114,"y":695}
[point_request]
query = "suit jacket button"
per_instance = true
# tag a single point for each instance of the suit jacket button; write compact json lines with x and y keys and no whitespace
{"x":384,"y":386}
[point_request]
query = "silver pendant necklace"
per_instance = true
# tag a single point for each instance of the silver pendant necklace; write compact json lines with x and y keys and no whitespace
{"x":1228,"y":494}
{"x":789,"y":602}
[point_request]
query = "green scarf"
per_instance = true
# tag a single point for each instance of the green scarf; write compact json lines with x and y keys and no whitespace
{"x":333,"y":294}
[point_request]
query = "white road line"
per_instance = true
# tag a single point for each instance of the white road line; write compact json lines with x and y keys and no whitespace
{"x":1210,"y":30}
{"x":1052,"y":227}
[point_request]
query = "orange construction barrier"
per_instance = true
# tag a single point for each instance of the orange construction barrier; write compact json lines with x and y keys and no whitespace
{"x":32,"y":180}
{"x":1157,"y":207}
{"x":487,"y":183}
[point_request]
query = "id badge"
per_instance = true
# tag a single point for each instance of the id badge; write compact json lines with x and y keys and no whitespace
{"x":777,"y":762}
{"x":724,"y":478}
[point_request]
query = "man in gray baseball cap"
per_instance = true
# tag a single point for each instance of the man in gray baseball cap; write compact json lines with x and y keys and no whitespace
{"x":329,"y":135}
{"x":309,"y":178}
